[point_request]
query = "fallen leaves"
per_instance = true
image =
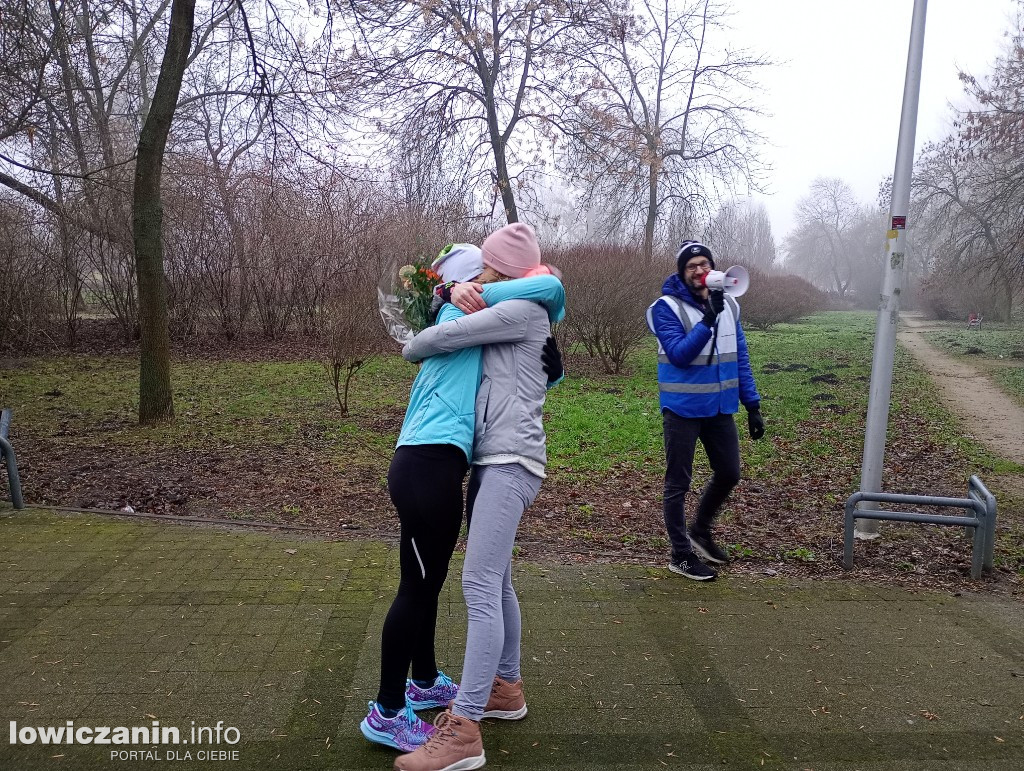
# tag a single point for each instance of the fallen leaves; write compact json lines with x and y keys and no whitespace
{"x":217,"y":479}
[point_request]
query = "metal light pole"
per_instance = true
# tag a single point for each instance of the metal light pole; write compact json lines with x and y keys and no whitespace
{"x":895,"y":267}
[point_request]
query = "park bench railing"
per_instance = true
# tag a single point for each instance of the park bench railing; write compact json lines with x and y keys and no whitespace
{"x":982,"y":518}
{"x":11,"y":462}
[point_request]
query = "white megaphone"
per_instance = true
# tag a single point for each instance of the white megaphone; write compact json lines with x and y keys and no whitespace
{"x":734,"y":281}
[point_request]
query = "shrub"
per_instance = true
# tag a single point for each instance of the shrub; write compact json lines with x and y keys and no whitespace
{"x":608,"y":289}
{"x":354,"y":333}
{"x":937,"y":301}
{"x":26,"y":286}
{"x":954,"y":297}
{"x":778,"y":298}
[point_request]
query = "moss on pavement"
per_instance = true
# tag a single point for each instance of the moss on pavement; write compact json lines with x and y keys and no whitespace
{"x":111,"y":622}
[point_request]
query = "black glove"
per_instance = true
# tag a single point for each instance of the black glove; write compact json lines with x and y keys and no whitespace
{"x":551,"y":358}
{"x":755,"y":422}
{"x":714,"y":306}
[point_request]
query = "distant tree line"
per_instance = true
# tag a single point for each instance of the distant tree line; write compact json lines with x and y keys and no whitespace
{"x":313,"y":146}
{"x":965,"y":227}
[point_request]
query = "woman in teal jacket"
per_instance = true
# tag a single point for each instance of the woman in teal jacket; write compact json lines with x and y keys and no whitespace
{"x":425,"y":483}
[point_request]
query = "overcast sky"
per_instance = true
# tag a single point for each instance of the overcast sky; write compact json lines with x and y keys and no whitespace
{"x":835,"y":97}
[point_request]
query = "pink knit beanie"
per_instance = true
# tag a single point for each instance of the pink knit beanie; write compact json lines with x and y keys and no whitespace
{"x":512,"y":250}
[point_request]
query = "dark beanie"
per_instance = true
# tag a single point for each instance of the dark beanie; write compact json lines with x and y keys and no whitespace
{"x":689,"y":250}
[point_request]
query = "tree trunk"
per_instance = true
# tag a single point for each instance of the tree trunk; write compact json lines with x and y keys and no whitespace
{"x":508,"y":198}
{"x":156,"y":402}
{"x":652,"y":211}
{"x":1009,"y":290}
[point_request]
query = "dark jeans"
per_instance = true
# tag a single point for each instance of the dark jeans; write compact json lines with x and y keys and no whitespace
{"x":425,"y":483}
{"x":721,"y":442}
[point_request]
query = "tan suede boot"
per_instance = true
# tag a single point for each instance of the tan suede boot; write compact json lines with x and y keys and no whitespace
{"x":506,"y":701}
{"x":455,"y":745}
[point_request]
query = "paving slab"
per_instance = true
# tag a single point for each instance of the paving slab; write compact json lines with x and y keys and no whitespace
{"x":121,"y":623}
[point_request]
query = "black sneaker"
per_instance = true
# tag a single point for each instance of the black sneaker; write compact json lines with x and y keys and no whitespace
{"x":691,"y":567}
{"x":708,"y":549}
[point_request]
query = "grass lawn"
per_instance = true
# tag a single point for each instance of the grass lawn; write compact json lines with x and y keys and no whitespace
{"x":997,"y":349}
{"x":265,"y":440}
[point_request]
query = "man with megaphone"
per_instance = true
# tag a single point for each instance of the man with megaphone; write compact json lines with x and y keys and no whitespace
{"x":703,"y":376}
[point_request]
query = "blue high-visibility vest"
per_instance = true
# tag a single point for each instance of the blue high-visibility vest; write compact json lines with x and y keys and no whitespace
{"x":709,"y":384}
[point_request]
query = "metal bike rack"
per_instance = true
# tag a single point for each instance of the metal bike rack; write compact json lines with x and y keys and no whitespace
{"x":12,"y":464}
{"x":979,"y":501}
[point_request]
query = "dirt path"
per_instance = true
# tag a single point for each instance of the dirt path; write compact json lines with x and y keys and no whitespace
{"x":990,"y":416}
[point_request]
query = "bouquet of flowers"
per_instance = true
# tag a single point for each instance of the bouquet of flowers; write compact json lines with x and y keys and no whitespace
{"x":405,"y":298}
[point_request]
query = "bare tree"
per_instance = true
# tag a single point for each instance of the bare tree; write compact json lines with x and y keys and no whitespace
{"x":987,"y":157}
{"x":970,"y":206}
{"x":742,"y":233}
{"x":156,"y":401}
{"x":69,"y":149}
{"x":26,"y":50}
{"x":81,"y":77}
{"x":25,"y":280}
{"x":464,"y":78}
{"x":82,"y":108}
{"x":866,"y":243}
{"x":823,"y":247}
{"x":998,"y":119}
{"x":664,"y":123}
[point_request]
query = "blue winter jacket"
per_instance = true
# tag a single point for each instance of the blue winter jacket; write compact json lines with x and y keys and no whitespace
{"x":442,"y":403}
{"x":717,"y":388}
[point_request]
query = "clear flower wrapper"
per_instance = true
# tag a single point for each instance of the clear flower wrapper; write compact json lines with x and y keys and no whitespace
{"x":405,"y":296}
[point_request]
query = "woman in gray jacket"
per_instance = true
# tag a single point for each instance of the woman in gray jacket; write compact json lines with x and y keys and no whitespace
{"x":509,"y":455}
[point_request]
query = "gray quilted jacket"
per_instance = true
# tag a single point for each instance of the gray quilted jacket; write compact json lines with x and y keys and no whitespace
{"x":510,"y":400}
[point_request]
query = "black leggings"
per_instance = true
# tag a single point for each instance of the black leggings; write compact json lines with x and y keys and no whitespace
{"x":425,"y":483}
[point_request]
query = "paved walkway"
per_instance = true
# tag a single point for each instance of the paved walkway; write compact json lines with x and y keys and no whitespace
{"x":108,"y":622}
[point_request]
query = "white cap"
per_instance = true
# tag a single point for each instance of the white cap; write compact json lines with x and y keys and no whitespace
{"x":462,"y":262}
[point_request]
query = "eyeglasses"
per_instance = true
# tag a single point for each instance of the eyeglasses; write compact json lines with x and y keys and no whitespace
{"x":693,"y":267}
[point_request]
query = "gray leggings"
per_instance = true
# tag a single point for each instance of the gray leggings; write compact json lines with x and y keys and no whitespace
{"x":498,"y":497}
